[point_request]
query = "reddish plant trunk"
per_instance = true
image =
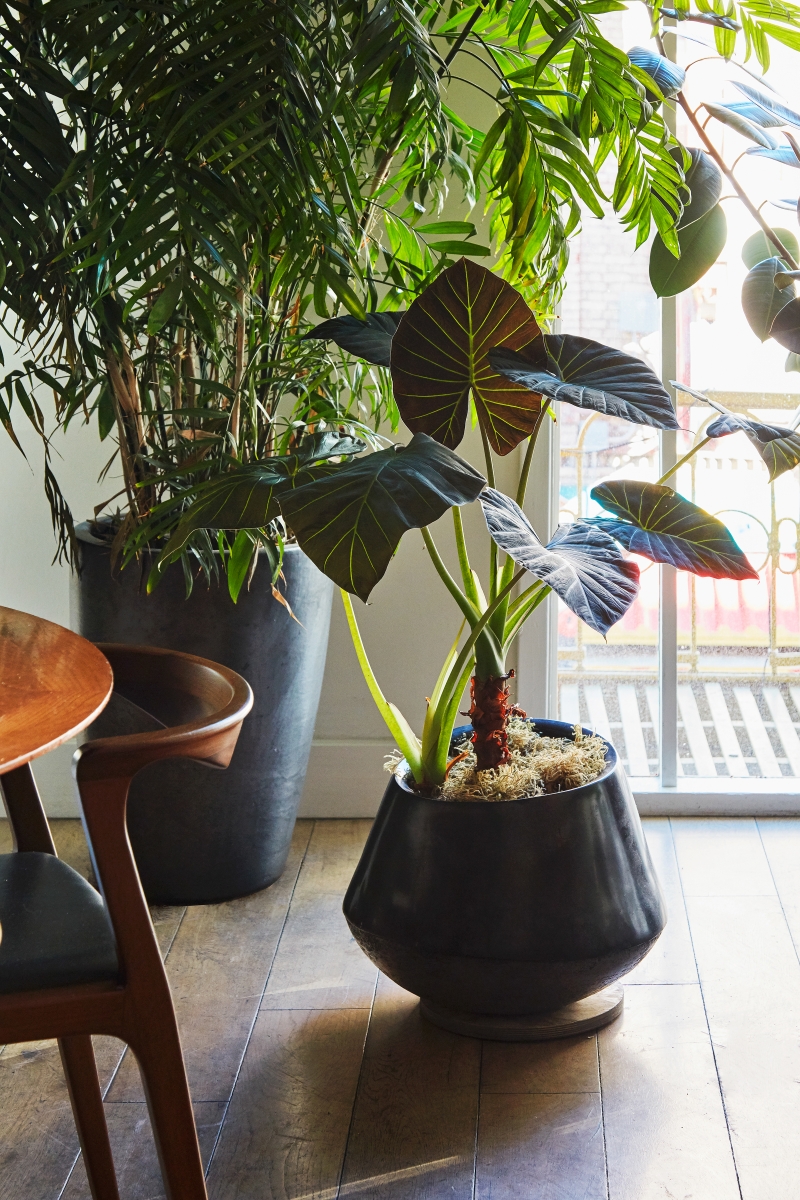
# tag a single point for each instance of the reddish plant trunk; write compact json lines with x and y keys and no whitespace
{"x":489,"y":713}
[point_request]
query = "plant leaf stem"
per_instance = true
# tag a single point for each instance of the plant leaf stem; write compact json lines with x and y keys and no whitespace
{"x":488,"y":652}
{"x":727,"y":172}
{"x":463,"y":560}
{"x":398,"y":726}
{"x":682,"y":461}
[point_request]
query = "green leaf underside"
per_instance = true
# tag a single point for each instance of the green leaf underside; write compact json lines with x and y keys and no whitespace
{"x":786,"y":325}
{"x":370,"y":339}
{"x":350,"y":524}
{"x":742,"y":125}
{"x":439,"y":356}
{"x":704,"y":184}
{"x":784,"y":155}
{"x":761,"y":299}
{"x":758,"y":247}
{"x":581,"y":564}
{"x":590,"y":375}
{"x":779,"y":447}
{"x":661,"y":525}
{"x":770,"y":105}
{"x":701,"y":244}
{"x":756,"y":114}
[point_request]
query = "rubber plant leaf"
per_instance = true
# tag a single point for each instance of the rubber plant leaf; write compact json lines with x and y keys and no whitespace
{"x":700,"y":243}
{"x":786,"y":326}
{"x":762,"y":299}
{"x":774,"y":108}
{"x":756,"y":114}
{"x":590,"y":375}
{"x":581,"y":563}
{"x":351,"y":522}
{"x":370,"y":339}
{"x":785,"y":155}
{"x":758,"y":247}
{"x":667,"y":76}
{"x":248,"y":498}
{"x":779,"y":447}
{"x":741,"y":124}
{"x":657,"y":523}
{"x":440,"y":358}
{"x":703,"y":187}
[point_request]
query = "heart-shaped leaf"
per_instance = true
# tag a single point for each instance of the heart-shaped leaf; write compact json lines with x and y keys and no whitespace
{"x":590,"y":375}
{"x":351,"y":522}
{"x":439,"y":356}
{"x":667,"y":76}
{"x":786,"y":326}
{"x":370,"y":339}
{"x":581,"y":563}
{"x":785,"y":155}
{"x":761,"y":299}
{"x":758,"y":247}
{"x":703,"y":187}
{"x":737,"y":121}
{"x":779,"y":448}
{"x":248,"y":497}
{"x":775,"y":108}
{"x":701,"y":244}
{"x":756,"y":114}
{"x":661,"y":525}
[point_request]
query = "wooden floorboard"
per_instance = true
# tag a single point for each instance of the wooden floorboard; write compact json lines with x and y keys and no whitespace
{"x":413,"y":1130}
{"x":311,"y":1085}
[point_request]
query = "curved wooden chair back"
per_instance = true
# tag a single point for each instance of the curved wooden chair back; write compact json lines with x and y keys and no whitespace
{"x":199,"y":707}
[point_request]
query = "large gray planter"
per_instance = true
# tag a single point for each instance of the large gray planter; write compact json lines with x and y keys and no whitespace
{"x":201,"y":835}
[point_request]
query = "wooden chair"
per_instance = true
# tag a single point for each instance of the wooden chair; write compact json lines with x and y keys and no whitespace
{"x":74,"y":964}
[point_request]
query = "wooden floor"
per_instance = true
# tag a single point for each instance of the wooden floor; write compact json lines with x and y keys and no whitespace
{"x":315,"y":1079}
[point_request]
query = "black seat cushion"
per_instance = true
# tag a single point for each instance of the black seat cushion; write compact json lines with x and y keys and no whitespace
{"x":55,"y":928}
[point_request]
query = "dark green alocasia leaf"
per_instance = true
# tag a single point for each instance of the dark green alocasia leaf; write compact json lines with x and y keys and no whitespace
{"x":779,"y":447}
{"x":248,"y":498}
{"x":667,"y":76}
{"x":590,"y":375}
{"x":581,"y":563}
{"x":661,"y":525}
{"x":370,"y":339}
{"x":701,"y":244}
{"x":704,"y":184}
{"x":350,"y":523}
{"x":786,"y":326}
{"x":440,"y":355}
{"x":762,"y":300}
{"x":773,"y":107}
{"x":758,"y":247}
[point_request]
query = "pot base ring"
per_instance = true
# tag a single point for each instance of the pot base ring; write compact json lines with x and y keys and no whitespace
{"x":582,"y":1016}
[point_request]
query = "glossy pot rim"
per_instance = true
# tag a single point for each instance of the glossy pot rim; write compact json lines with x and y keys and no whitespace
{"x":577,"y":793}
{"x":83,"y":534}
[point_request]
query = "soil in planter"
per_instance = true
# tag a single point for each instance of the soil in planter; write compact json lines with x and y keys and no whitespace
{"x":539,"y":766}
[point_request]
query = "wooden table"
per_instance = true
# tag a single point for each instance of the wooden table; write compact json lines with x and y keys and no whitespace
{"x":52,"y":685}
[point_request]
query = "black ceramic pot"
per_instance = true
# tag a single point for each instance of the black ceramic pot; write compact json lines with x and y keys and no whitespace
{"x":507,"y":908}
{"x":201,"y":835}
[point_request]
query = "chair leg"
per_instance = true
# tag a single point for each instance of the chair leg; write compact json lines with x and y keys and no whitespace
{"x":166,"y":1089}
{"x":80,"y":1069}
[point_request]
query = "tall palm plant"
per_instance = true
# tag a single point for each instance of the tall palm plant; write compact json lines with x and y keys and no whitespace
{"x":186,"y":186}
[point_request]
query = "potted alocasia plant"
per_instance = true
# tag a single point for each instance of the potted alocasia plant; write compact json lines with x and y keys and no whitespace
{"x":506,"y":871}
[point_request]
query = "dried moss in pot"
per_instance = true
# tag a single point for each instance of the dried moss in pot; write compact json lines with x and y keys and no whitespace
{"x":539,"y":766}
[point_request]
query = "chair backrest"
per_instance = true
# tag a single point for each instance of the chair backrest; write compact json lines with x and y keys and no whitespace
{"x":199,"y":706}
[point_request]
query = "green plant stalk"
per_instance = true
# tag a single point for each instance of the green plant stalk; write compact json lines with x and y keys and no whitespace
{"x":489,"y":659}
{"x":520,"y":616}
{"x":467,"y":574}
{"x":499,"y":622}
{"x":399,"y":727}
{"x":685,"y":459}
